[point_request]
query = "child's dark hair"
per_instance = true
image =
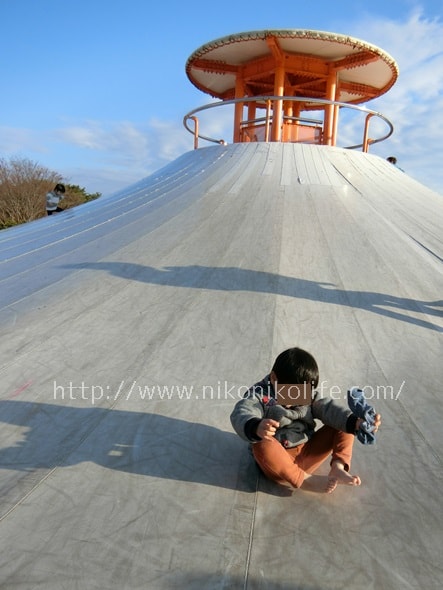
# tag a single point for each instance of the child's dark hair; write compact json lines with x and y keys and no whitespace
{"x":296,"y":366}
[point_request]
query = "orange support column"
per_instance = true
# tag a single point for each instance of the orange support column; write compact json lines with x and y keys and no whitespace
{"x":336,"y":112}
{"x":252,"y":113}
{"x":335,"y":125}
{"x":331,"y":88}
{"x":287,"y":125}
{"x":279,"y":88}
{"x":296,"y":124}
{"x":238,"y":112}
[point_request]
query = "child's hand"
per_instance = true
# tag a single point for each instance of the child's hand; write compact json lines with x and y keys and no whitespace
{"x":267,"y":428}
{"x":377,"y":422}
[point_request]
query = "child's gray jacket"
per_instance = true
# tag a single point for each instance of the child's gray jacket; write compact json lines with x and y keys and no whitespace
{"x":297,"y":424}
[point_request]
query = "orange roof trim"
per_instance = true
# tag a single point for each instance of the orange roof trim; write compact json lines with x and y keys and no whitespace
{"x":363,"y":71}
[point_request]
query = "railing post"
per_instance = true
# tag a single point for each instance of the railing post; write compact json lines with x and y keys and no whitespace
{"x":268,"y":116}
{"x":366,"y":140}
{"x":195,"y":131}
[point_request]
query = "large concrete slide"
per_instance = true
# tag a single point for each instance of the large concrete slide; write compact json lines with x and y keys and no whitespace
{"x":131,"y":325}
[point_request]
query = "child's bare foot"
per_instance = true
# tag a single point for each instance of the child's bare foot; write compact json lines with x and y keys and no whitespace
{"x":321,"y":484}
{"x":339,"y":475}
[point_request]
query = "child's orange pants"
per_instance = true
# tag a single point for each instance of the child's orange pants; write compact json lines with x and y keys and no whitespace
{"x":288,"y":465}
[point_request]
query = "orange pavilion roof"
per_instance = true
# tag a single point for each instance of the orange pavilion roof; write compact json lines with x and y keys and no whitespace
{"x":363,"y":70}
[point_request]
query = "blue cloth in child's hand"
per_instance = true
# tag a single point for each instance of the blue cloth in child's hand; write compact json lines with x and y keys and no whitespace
{"x":359,"y":406}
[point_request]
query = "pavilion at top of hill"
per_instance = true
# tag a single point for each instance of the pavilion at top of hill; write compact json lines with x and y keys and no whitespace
{"x":307,"y":63}
{"x":289,"y":72}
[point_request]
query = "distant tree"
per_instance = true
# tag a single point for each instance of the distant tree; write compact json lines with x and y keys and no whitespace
{"x":23,"y":188}
{"x":76,"y":195}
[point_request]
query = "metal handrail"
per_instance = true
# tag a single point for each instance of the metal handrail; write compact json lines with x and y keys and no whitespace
{"x":267,"y":99}
{"x":285,"y":118}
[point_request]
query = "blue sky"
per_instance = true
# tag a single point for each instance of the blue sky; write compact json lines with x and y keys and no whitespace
{"x":96,"y":90}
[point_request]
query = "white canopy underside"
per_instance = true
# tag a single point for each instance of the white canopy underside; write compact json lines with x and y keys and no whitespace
{"x":241,"y":48}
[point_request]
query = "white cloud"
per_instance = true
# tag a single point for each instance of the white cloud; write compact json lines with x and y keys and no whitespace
{"x":414,"y":103}
{"x":122,"y":137}
{"x":169,"y":139}
{"x":101,"y":156}
{"x":120,"y":152}
{"x":105,"y":180}
{"x":15,"y":141}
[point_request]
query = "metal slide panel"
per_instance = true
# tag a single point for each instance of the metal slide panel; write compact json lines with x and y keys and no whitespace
{"x":131,"y":325}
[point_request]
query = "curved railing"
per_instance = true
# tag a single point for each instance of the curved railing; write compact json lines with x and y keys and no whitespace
{"x":266,"y":121}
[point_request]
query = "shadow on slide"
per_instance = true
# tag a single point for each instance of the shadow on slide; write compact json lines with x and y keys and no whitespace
{"x":133,"y":442}
{"x":238,"y":279}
